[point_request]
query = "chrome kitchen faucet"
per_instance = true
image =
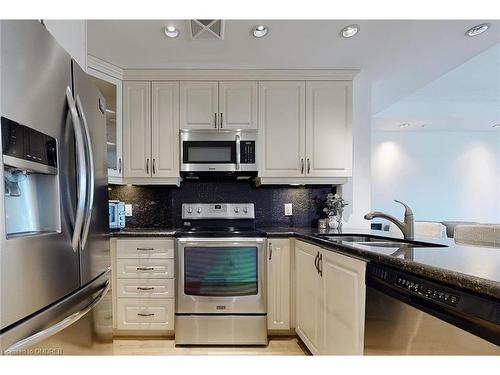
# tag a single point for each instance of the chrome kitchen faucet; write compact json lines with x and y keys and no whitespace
{"x":407,"y":226}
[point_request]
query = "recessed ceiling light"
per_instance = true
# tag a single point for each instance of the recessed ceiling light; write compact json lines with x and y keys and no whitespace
{"x":496,"y":126}
{"x":260,"y":31}
{"x":171,"y":31}
{"x":405,"y":125}
{"x":349,"y":31}
{"x":478,"y":29}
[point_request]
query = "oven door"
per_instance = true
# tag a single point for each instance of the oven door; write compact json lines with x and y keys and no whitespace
{"x":220,"y":276}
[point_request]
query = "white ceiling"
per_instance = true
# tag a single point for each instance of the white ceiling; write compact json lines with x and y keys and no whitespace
{"x":397,"y":57}
{"x":466,"y":98}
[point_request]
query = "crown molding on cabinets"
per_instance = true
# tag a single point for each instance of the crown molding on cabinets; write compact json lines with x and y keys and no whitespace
{"x":238,"y":74}
{"x":95,"y":63}
{"x":300,"y":181}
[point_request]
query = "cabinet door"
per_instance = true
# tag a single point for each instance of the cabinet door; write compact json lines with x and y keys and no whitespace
{"x":278,"y":284}
{"x":137,"y":129}
{"x":112,"y":89}
{"x":307,"y":294}
{"x":343,"y":319}
{"x":199,"y":105}
{"x":165,"y":129}
{"x":282,"y":125}
{"x":328,"y":129}
{"x":238,"y":105}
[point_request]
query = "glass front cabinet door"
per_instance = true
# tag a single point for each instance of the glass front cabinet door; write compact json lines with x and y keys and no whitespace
{"x":111,"y":88}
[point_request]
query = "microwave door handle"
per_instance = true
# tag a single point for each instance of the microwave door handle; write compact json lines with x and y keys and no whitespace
{"x":238,"y":152}
{"x":81,"y":171}
{"x":91,"y":174}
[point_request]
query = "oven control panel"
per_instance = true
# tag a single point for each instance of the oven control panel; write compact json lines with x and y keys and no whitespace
{"x":218,"y":211}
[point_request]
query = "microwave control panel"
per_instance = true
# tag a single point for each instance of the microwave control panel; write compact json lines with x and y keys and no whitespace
{"x":247,"y":152}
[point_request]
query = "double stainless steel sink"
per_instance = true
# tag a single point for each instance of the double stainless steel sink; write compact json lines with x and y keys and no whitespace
{"x":368,"y":240}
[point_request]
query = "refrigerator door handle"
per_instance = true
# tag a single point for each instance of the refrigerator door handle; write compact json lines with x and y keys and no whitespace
{"x":81,"y":171}
{"x":91,"y":175}
{"x":42,"y":335}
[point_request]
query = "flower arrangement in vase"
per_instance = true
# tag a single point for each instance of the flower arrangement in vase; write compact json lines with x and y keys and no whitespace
{"x":334,"y":209}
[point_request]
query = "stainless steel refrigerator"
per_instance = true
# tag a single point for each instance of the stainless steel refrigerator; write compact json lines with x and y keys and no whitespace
{"x":54,"y":254}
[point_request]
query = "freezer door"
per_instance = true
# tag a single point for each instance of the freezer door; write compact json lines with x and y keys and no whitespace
{"x":94,"y":240}
{"x":39,"y":269}
{"x":82,"y":323}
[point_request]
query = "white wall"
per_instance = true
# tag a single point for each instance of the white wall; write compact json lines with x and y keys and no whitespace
{"x":357,"y":190}
{"x":441,"y":175}
{"x":72,"y":36}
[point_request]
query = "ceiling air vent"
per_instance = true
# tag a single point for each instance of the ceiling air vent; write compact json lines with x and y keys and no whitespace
{"x":207,"y":29}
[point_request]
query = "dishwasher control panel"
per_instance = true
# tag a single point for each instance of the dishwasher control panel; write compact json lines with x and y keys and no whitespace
{"x":425,"y":290}
{"x":415,"y":285}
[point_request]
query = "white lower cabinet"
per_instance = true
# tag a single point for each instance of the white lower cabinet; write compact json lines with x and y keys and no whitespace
{"x":148,"y":288}
{"x":307,"y":294}
{"x":143,"y":285}
{"x":278,"y":284}
{"x":330,"y":300}
{"x":144,"y":314}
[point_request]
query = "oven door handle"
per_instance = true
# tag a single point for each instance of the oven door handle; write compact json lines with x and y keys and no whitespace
{"x":238,"y":151}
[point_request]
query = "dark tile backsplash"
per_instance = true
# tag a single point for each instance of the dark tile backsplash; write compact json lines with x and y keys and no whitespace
{"x":160,"y":206}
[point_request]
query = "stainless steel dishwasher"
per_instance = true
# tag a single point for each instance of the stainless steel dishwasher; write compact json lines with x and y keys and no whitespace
{"x":410,"y":315}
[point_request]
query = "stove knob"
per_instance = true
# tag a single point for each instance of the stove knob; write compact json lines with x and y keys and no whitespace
{"x":245,"y":210}
{"x":190,"y":210}
{"x":236,"y":209}
{"x":199,"y":210}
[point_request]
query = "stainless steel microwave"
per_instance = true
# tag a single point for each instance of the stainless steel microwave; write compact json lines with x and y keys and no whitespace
{"x":223,"y":151}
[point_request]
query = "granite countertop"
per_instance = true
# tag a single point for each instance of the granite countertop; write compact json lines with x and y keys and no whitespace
{"x":473,"y":268}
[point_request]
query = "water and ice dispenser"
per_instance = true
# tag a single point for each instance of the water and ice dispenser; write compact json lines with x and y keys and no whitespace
{"x":31,"y":181}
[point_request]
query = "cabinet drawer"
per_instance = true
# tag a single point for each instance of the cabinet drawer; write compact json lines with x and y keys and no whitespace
{"x":149,"y":288}
{"x":145,"y":268}
{"x":145,"y":313}
{"x":139,"y":249}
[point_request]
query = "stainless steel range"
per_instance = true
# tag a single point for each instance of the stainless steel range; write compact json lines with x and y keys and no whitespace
{"x":220,"y":288}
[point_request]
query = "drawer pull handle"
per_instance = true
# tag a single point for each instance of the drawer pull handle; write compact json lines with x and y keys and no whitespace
{"x":145,"y":268}
{"x":145,"y":314}
{"x":145,"y":288}
{"x":145,"y":248}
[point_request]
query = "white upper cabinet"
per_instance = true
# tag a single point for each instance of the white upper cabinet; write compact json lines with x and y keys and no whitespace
{"x":282,"y":128}
{"x":344,"y":304}
{"x":213,"y":105}
{"x":137,"y":129}
{"x":278,"y":284}
{"x":199,"y":105}
{"x":328,"y":129}
{"x":112,"y":89}
{"x":165,"y":129}
{"x":238,"y":105}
